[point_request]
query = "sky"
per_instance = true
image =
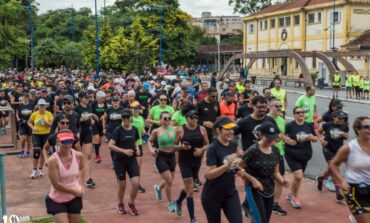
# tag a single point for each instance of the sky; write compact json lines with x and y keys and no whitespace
{"x":193,"y":7}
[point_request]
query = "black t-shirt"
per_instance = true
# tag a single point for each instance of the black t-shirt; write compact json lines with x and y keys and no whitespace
{"x":25,"y":111}
{"x":244,"y":111}
{"x":97,"y":110}
{"x":303,"y":149}
{"x":4,"y":100}
{"x":333,"y":135}
{"x":327,"y":117}
{"x":143,"y":98}
{"x":85,"y":116}
{"x":125,"y":139}
{"x":74,"y":121}
{"x":262,"y":166}
{"x":223,"y":186}
{"x":248,"y":128}
{"x":195,"y":139}
{"x":208,"y":112}
{"x":17,"y":98}
{"x":114,"y":118}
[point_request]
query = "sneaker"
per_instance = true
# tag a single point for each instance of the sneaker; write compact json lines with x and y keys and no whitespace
{"x":295,"y":202}
{"x":329,"y":184}
{"x":172,"y":206}
{"x":196,"y":188}
{"x":198,"y":182}
{"x":340,"y":198}
{"x":194,"y":220}
{"x":7,"y":126}
{"x":34,"y":174}
{"x":132,"y":209}
{"x":319,"y":181}
{"x":22,"y":154}
{"x":97,"y":159}
{"x":90,"y":183}
{"x":158,"y":192}
{"x":352,"y":219}
{"x":178,"y":209}
{"x":39,"y":173}
{"x":141,"y":189}
{"x":28,"y":154}
{"x":121,"y":208}
{"x":276,"y":209}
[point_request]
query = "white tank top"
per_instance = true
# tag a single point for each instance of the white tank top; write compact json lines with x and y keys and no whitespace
{"x":358,"y":164}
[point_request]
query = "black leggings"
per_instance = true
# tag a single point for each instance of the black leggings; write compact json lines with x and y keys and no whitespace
{"x":230,"y":206}
{"x":260,"y":206}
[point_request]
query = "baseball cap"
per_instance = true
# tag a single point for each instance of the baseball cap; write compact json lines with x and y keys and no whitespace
{"x":185,"y":88}
{"x":25,"y":93}
{"x":33,"y":91}
{"x":91,"y":88}
{"x":135,"y":104}
{"x":191,"y":112}
{"x":340,"y":114}
{"x":68,"y":98}
{"x":82,"y":94}
{"x":125,"y":112}
{"x":65,"y":135}
{"x":163,"y":83}
{"x":269,"y":130}
{"x":225,"y":123}
{"x":146,"y":86}
{"x":338,"y":104}
{"x":42,"y":102}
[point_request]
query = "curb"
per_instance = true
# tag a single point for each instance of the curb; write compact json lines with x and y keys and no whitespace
{"x":327,"y":97}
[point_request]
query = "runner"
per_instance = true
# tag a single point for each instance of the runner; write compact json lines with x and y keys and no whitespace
{"x":219,"y":192}
{"x":334,"y":134}
{"x":99,"y":108}
{"x":165,"y":156}
{"x":23,"y":113}
{"x":334,"y":105}
{"x":261,"y":164}
{"x":308,"y":103}
{"x":228,"y":106}
{"x":194,"y":138}
{"x":66,"y":174}
{"x":247,"y":108}
{"x":155,"y":112}
{"x":74,"y":117}
{"x":280,"y":94}
{"x":336,"y":84}
{"x":125,"y":146}
{"x":139,"y":123}
{"x":40,"y":122}
{"x":349,"y":85}
{"x":4,"y":115}
{"x":85,"y":111}
{"x":356,"y":181}
{"x":299,"y":135}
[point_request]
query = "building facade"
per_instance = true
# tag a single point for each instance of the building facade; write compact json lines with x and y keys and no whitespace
{"x":306,"y":25}
{"x":219,"y":25}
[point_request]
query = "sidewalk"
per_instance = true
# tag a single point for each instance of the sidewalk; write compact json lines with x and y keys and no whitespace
{"x":26,"y":196}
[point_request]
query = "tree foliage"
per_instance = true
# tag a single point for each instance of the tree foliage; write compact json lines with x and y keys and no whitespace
{"x":47,"y":53}
{"x":247,"y":7}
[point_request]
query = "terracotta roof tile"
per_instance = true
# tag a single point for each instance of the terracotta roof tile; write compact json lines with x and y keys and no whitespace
{"x":212,"y":49}
{"x":363,"y":39}
{"x":289,"y":5}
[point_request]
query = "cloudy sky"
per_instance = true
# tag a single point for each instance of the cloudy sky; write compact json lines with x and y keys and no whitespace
{"x":193,"y":7}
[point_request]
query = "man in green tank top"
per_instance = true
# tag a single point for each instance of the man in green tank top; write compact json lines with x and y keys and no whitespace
{"x":280,"y":94}
{"x":336,"y":84}
{"x":348,"y":85}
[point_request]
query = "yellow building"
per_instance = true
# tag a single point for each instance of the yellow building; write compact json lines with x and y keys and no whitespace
{"x":305,"y":25}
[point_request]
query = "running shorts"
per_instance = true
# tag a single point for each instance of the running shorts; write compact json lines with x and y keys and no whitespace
{"x":165,"y":161}
{"x":128,"y":165}
{"x":357,"y":203}
{"x":71,"y":207}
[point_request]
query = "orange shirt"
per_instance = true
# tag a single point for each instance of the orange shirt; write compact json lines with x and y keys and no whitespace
{"x":228,"y":110}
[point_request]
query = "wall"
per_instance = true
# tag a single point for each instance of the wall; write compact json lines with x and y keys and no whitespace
{"x":360,"y":14}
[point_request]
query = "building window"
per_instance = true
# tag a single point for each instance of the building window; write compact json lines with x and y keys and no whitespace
{"x":319,"y":17}
{"x":251,"y":28}
{"x":336,"y":16}
{"x":311,"y":18}
{"x":281,"y":22}
{"x":296,"y":20}
{"x":263,"y":24}
{"x":287,"y":21}
{"x":272,"y":23}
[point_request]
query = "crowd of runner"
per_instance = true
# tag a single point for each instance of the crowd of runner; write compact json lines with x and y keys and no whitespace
{"x":64,"y":117}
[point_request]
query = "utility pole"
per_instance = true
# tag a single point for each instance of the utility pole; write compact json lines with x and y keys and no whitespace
{"x":161,"y":36}
{"x":73,"y":25}
{"x":96,"y":40}
{"x":31,"y":33}
{"x":105,"y":8}
{"x":333,"y":30}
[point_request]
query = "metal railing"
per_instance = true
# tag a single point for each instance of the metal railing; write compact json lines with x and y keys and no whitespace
{"x":13,"y":129}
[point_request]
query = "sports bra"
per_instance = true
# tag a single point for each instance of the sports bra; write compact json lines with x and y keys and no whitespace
{"x":167,"y":139}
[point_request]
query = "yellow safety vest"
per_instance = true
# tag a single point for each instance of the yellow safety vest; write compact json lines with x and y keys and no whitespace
{"x":349,"y":81}
{"x":356,"y":80}
{"x":279,"y":94}
{"x":336,"y":81}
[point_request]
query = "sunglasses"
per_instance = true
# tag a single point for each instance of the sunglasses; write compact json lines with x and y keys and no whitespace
{"x":278,"y":106}
{"x":194,"y":117}
{"x":126,"y":116}
{"x":67,"y":103}
{"x":213,"y":96}
{"x":115,"y":100}
{"x":64,"y":123}
{"x":67,"y":141}
{"x":261,"y":107}
{"x":163,"y":99}
{"x":138,"y":108}
{"x":42,"y":105}
{"x":299,"y":112}
{"x":365,"y":127}
{"x":167,"y":119}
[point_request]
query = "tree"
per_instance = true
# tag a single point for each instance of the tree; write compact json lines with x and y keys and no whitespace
{"x":247,"y":7}
{"x":47,"y":53}
{"x":70,"y":55}
{"x":233,"y":39}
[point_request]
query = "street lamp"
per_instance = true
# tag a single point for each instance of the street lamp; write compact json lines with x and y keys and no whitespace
{"x":29,"y":7}
{"x":218,"y":53}
{"x":96,"y":40}
{"x":73,"y":24}
{"x":161,"y":36}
